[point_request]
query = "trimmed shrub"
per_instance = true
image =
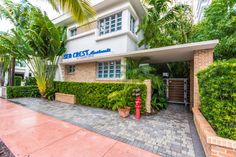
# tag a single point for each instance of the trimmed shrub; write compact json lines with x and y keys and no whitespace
{"x":22,"y":91}
{"x":96,"y":94}
{"x":217,"y":86}
{"x":17,"y":80}
{"x":30,"y":81}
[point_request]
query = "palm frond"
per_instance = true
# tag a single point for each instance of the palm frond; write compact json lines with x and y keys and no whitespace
{"x":80,"y":10}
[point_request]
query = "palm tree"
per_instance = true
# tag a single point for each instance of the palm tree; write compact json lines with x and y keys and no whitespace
{"x":80,"y":10}
{"x":165,"y":23}
{"x":16,"y":13}
{"x":37,"y":41}
{"x":136,"y":71}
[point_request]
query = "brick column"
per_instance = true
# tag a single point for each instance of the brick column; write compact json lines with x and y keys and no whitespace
{"x":148,"y":83}
{"x":201,"y":59}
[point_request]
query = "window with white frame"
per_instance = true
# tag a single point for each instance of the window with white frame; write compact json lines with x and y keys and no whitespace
{"x":71,"y":69}
{"x":73,"y":31}
{"x":132,"y":24}
{"x":110,"y":24}
{"x":109,"y":70}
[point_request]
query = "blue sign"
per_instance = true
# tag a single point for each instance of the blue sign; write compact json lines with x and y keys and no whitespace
{"x":85,"y":53}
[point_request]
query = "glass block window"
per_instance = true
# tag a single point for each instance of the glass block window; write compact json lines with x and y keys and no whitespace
{"x":109,"y":70}
{"x":110,"y":24}
{"x":71,"y":69}
{"x":73,"y":31}
{"x":132,"y":24}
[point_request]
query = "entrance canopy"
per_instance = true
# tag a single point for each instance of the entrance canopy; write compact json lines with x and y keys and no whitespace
{"x":176,"y":53}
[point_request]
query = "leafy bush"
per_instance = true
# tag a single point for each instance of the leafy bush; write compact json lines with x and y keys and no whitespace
{"x":136,"y":71}
{"x":30,"y":81}
{"x":217,"y":86}
{"x":22,"y":91}
{"x":96,"y":94}
{"x":120,"y":98}
{"x":17,"y":80}
{"x":50,"y":94}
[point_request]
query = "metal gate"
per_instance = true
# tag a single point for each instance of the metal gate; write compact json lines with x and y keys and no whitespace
{"x":177,"y":90}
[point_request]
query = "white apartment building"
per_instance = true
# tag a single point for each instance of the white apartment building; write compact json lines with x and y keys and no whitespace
{"x":112,"y":32}
{"x":21,"y":69}
{"x":97,"y":51}
{"x":198,"y":9}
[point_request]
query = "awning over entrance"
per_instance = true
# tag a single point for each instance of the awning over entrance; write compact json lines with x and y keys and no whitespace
{"x":176,"y":53}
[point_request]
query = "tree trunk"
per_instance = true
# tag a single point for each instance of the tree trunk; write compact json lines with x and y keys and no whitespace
{"x":13,"y":71}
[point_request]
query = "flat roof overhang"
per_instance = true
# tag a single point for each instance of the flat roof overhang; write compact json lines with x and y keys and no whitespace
{"x":65,"y":18}
{"x":176,"y":53}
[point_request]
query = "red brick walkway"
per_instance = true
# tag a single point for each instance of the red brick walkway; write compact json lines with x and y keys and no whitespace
{"x":28,"y":133}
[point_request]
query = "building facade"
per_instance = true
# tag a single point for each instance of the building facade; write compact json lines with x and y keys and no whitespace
{"x":97,"y":50}
{"x":112,"y":32}
{"x":21,"y":69}
{"x":198,"y":9}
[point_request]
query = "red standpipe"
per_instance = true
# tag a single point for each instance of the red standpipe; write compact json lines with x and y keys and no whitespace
{"x":138,"y":107}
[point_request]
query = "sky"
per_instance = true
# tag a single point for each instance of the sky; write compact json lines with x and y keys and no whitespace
{"x":43,"y":5}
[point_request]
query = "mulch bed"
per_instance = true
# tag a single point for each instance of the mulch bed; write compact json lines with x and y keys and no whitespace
{"x":4,"y":151}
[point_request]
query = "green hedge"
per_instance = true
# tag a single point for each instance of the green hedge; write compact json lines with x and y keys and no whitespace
{"x":30,"y":81}
{"x":22,"y":91}
{"x":217,"y":85}
{"x":95,"y":94}
{"x":17,"y":80}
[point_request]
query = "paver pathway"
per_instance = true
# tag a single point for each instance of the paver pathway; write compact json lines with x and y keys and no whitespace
{"x":170,"y":133}
{"x":30,"y":134}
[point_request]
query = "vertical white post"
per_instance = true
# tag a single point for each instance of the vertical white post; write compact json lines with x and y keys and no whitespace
{"x":123,"y":68}
{"x":125,"y":21}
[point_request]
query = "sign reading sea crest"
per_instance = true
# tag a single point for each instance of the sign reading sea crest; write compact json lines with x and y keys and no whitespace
{"x":85,"y":53}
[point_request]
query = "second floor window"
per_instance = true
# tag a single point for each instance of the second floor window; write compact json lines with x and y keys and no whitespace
{"x":132,"y":24}
{"x":73,"y":31}
{"x":110,"y":24}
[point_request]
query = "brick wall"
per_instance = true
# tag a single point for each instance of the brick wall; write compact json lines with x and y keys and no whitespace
{"x":214,"y":146}
{"x":84,"y":72}
{"x":201,"y":59}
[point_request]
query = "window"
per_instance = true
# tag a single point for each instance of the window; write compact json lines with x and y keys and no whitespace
{"x":111,"y":69}
{"x":132,"y":24}
{"x":71,"y":69}
{"x":110,"y":24}
{"x":20,"y":64}
{"x":73,"y":31}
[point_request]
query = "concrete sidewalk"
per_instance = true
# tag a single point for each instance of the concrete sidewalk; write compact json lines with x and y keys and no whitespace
{"x":28,"y":133}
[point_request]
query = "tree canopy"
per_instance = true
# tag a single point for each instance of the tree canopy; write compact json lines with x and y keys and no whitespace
{"x":165,"y":24}
{"x":80,"y":10}
{"x":35,"y":39}
{"x":219,"y":22}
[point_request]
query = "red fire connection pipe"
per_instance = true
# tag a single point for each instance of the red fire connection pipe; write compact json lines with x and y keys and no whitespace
{"x":138,"y":107}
